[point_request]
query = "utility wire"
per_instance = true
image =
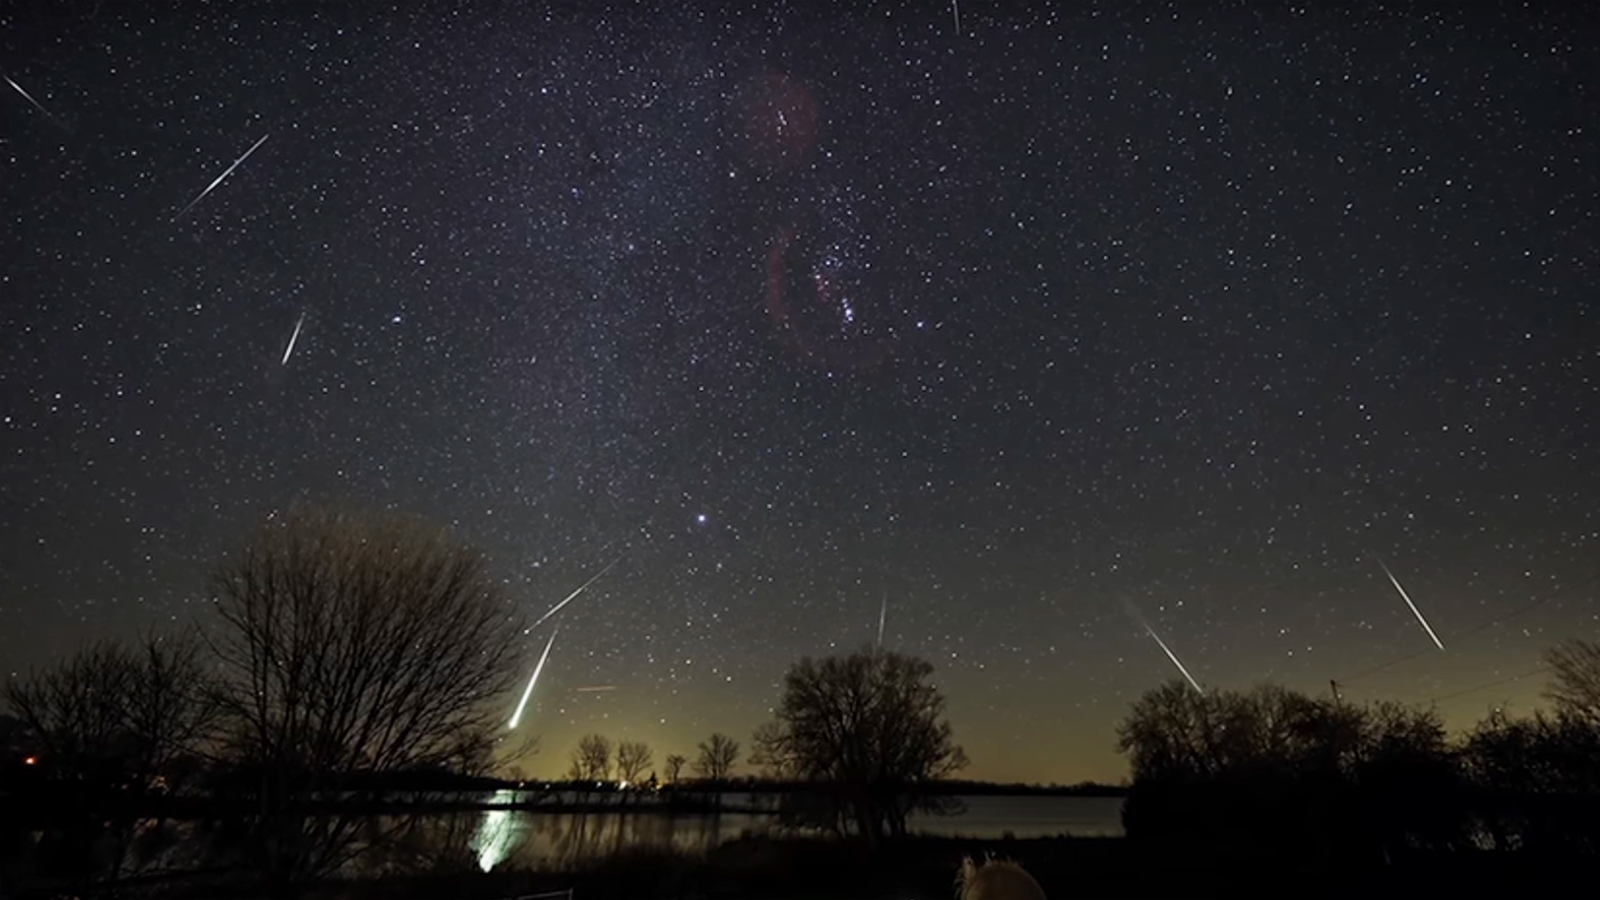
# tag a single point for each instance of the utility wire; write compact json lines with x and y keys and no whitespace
{"x":1485,"y":687}
{"x":1505,"y":617}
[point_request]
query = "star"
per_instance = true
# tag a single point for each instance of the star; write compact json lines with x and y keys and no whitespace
{"x":1191,"y":335}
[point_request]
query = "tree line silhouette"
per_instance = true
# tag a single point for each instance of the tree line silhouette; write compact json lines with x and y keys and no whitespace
{"x":353,"y":658}
{"x":592,"y":760}
{"x":345,"y":650}
{"x":1276,"y":773}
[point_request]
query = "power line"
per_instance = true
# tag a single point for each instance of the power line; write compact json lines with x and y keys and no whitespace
{"x":1485,"y":687}
{"x":1525,"y":608}
{"x":1379,"y":668}
{"x":1530,"y":606}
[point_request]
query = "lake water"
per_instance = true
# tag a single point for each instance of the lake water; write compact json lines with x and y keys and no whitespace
{"x":529,"y":839}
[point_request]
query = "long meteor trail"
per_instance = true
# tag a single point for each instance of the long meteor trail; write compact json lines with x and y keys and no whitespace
{"x":1407,"y":597}
{"x":229,"y":171}
{"x":29,"y":97}
{"x":557,"y":608}
{"x":292,"y":338}
{"x":516,"y":717}
{"x":1174,"y":657}
{"x":883,"y":616}
{"x":1139,"y":619}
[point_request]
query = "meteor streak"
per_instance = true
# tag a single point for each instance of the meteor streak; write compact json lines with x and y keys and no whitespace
{"x":595,"y":689}
{"x":1138,"y":618}
{"x":292,"y":338}
{"x":29,"y":97}
{"x":883,"y":615}
{"x":213,"y":185}
{"x":557,"y":608}
{"x":1174,"y":657}
{"x":516,"y":717}
{"x":1407,"y":597}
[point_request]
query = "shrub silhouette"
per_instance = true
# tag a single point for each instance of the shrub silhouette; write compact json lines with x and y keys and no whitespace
{"x":1537,"y":782}
{"x":1274,"y":772}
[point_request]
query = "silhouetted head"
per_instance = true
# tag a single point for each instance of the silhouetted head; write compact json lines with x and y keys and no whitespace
{"x":995,"y":879}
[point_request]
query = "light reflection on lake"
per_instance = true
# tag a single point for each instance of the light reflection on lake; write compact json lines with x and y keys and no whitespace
{"x":497,"y":833}
{"x":538,"y":840}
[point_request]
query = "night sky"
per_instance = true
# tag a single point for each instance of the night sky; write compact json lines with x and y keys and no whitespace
{"x":1078,"y":314}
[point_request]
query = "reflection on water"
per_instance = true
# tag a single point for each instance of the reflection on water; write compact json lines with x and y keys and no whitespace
{"x":486,"y":839}
{"x":524,"y":839}
{"x":1026,"y":817}
{"x":497,"y":833}
{"x":536,"y":840}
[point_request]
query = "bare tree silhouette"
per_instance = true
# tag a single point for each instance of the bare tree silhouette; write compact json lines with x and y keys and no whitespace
{"x":354,"y":646}
{"x":717,"y":757}
{"x":171,"y":705}
{"x":591,"y":761}
{"x":871,"y":728}
{"x":132,"y":708}
{"x":633,"y":758}
{"x":115,"y":725}
{"x":74,"y":712}
{"x":675,"y":767}
{"x":1575,"y":679}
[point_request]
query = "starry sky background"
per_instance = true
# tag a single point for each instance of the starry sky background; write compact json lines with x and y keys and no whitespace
{"x":1181,"y":308}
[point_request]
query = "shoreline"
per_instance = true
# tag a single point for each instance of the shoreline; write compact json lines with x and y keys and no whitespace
{"x":923,"y":866}
{"x":194,"y":808}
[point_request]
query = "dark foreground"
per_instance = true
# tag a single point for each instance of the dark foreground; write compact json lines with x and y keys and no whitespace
{"x":920,"y":868}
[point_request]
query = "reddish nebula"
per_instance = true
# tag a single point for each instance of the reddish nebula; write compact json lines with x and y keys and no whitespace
{"x":796,"y":314}
{"x":777,"y":299}
{"x":781,"y":122}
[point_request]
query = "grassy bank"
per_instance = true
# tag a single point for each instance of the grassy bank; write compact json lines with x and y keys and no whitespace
{"x":803,"y":869}
{"x":924,"y":867}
